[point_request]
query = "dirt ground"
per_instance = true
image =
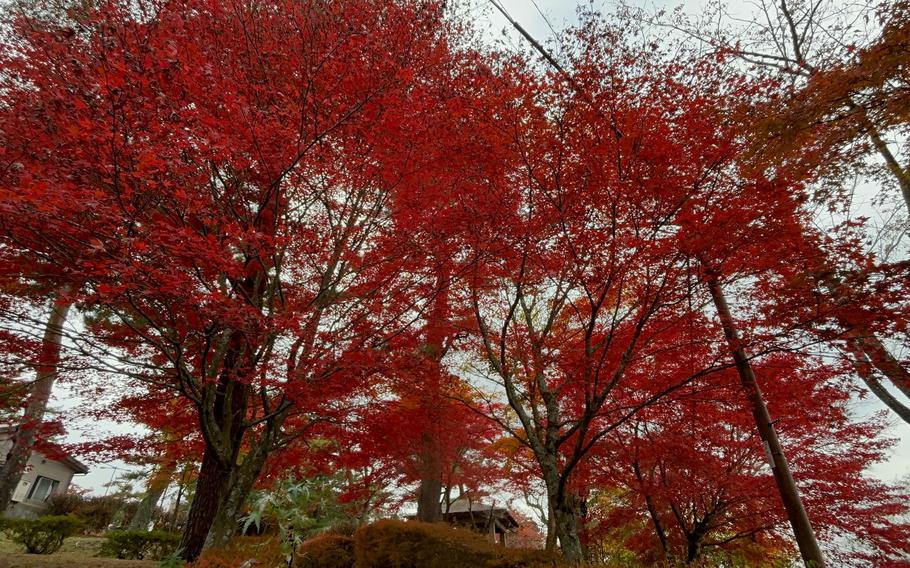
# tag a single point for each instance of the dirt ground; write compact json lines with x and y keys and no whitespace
{"x":77,"y":552}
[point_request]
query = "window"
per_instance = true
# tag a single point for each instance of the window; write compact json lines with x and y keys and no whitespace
{"x":43,"y":488}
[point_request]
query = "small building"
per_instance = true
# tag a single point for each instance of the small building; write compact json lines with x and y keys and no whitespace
{"x":496,"y":522}
{"x":45,"y":474}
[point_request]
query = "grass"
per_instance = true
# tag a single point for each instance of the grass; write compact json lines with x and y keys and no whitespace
{"x":77,"y":551}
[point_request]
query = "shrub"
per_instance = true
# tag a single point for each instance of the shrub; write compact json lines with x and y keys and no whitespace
{"x":396,"y":544}
{"x":325,"y":551}
{"x":139,"y":545}
{"x":66,"y":503}
{"x":97,"y":512}
{"x":262,"y":551}
{"x":43,"y":535}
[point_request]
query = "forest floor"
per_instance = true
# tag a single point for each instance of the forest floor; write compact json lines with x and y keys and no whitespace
{"x":77,"y":551}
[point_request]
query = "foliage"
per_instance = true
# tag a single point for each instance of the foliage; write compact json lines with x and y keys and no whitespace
{"x":397,"y":544}
{"x":301,"y":508}
{"x":264,"y":551}
{"x":139,"y":544}
{"x":359,"y":248}
{"x":325,"y":551}
{"x":172,"y":560}
{"x":97,"y":512}
{"x":43,"y":535}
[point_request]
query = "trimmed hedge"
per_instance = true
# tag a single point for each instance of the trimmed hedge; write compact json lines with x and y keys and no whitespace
{"x":325,"y":551}
{"x":243,"y":552}
{"x":139,"y":544}
{"x":397,"y":544}
{"x":43,"y":535}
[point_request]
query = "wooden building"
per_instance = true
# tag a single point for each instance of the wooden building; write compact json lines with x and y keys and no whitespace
{"x":495,"y":522}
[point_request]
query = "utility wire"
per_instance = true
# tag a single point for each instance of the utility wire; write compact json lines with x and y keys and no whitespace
{"x":552,"y":61}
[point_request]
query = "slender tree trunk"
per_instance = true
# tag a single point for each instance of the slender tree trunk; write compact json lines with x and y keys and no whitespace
{"x":39,"y":394}
{"x":885,"y":362}
{"x":180,"y":488}
{"x":868,"y":349}
{"x":431,"y":458}
{"x":652,"y":511}
{"x":158,"y":482}
{"x":900,"y":174}
{"x":789,"y":493}
{"x":864,"y":369}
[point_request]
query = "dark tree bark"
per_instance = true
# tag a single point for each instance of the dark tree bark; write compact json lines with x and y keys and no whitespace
{"x":863,"y":367}
{"x":223,"y":430}
{"x":210,"y":487}
{"x":228,"y":515}
{"x":430,"y":490}
{"x":652,"y":512}
{"x":430,"y":459}
{"x":789,"y":493}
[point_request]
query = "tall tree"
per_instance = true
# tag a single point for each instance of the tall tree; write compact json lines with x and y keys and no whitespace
{"x":714,"y":500}
{"x":237,"y":213}
{"x":834,"y":108}
{"x":589,"y":276}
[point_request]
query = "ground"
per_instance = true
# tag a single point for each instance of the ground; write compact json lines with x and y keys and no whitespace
{"x":77,"y":551}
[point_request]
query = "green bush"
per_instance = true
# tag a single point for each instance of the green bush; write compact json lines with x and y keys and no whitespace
{"x":139,"y":545}
{"x":325,"y":551}
{"x":97,"y":512}
{"x":43,"y":535}
{"x":396,"y":544}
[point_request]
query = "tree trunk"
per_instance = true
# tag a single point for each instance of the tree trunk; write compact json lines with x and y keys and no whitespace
{"x":228,"y":516}
{"x":211,"y":486}
{"x":566,"y":523}
{"x":900,"y":174}
{"x":430,"y":490}
{"x":796,"y":512}
{"x":864,"y":369}
{"x":652,"y":512}
{"x":158,"y":482}
{"x":431,"y":459}
{"x":868,"y":348}
{"x":695,"y":539}
{"x":225,"y":431}
{"x":181,"y":485}
{"x":885,"y":362}
{"x":551,"y":529}
{"x":39,"y":394}
{"x":693,"y":547}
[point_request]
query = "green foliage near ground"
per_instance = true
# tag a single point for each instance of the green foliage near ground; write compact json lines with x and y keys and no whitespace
{"x":43,"y":535}
{"x":139,"y":544}
{"x":300,"y":509}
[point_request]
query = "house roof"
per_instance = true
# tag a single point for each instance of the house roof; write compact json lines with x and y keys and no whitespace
{"x":466,"y":507}
{"x":56,"y":453}
{"x":75,"y":464}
